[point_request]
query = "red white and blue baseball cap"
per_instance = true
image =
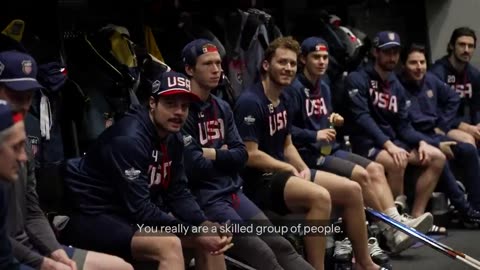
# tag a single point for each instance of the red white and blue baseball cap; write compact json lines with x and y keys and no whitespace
{"x":313,"y":44}
{"x":172,"y":83}
{"x":7,"y":117}
{"x":386,"y":39}
{"x":18,"y":71}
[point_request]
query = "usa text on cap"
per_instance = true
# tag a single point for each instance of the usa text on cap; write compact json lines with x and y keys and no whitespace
{"x":172,"y":83}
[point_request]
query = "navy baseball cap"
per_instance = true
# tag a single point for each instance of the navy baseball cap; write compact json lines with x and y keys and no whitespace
{"x":18,"y":71}
{"x":196,"y":48}
{"x":313,"y":44}
{"x":172,"y":83}
{"x":386,"y":40}
{"x":7,"y":117}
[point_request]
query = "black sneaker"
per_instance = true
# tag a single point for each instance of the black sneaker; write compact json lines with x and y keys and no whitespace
{"x":376,"y":253}
{"x":471,"y":218}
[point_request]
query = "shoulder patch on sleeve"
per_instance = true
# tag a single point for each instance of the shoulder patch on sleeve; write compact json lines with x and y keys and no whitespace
{"x":353,"y":92}
{"x":187,"y":140}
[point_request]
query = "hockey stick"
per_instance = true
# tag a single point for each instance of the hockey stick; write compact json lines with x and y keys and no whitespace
{"x":426,"y":239}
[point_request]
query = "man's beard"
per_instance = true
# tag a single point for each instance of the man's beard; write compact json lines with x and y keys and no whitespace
{"x":459,"y":59}
{"x":387,"y":67}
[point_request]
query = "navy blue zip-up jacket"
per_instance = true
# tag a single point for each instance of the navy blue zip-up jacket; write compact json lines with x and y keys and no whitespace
{"x":377,"y":110}
{"x":6,"y":256}
{"x":430,"y":103}
{"x":309,"y":107}
{"x":210,"y":124}
{"x":466,"y":84}
{"x":259,"y":121}
{"x":130,"y":171}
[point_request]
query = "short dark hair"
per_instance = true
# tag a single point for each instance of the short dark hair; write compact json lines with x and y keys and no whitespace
{"x":407,"y":50}
{"x":459,"y":32}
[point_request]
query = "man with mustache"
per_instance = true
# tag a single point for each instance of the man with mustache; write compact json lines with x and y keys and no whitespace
{"x":455,"y":70}
{"x":12,"y":154}
{"x":276,"y":177}
{"x":33,"y":240}
{"x":133,"y":176}
{"x":214,"y":156}
{"x":312,"y":128}
{"x":432,"y":105}
{"x":380,"y":128}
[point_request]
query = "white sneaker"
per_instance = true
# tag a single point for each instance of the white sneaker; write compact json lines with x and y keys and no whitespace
{"x":398,"y":241}
{"x":422,"y":223}
{"x":343,"y":251}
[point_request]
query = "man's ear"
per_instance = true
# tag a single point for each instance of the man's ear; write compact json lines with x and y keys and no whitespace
{"x":265,"y":65}
{"x":151,"y":103}
{"x":451,"y":47}
{"x":303,"y":59}
{"x":189,"y":70}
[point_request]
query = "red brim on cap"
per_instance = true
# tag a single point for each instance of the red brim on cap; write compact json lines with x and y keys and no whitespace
{"x":177,"y":92}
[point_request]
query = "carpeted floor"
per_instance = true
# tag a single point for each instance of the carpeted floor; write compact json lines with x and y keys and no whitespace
{"x":424,"y":257}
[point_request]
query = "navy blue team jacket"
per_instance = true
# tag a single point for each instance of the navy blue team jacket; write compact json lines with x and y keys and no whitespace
{"x":378,"y":110}
{"x":309,"y":107}
{"x":259,"y":121}
{"x":6,"y":257}
{"x":132,"y":172}
{"x":430,"y":103}
{"x":210,"y":124}
{"x":466,"y":84}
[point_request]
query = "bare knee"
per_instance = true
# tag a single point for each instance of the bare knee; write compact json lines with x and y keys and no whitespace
{"x":319,"y":199}
{"x":361,"y":176}
{"x":168,"y":248}
{"x":353,"y":192}
{"x":101,"y":261}
{"x":438,"y":159}
{"x":376,"y":171}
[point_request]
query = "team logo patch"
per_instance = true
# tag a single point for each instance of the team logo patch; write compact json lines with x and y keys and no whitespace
{"x":270,"y":108}
{"x":430,"y":93}
{"x":307,"y":92}
{"x":35,"y":144}
{"x":391,"y":36}
{"x":371,"y":152}
{"x":27,"y":67}
{"x":132,"y":174}
{"x":249,"y":120}
{"x":187,"y":140}
{"x":2,"y":67}
{"x":408,"y":103}
{"x":320,"y":161}
{"x":321,"y":48}
{"x":353,"y":92}
{"x":451,"y":79}
{"x":155,"y":86}
{"x":209,"y":48}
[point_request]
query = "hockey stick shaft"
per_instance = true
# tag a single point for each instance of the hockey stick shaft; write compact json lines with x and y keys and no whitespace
{"x":426,"y":239}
